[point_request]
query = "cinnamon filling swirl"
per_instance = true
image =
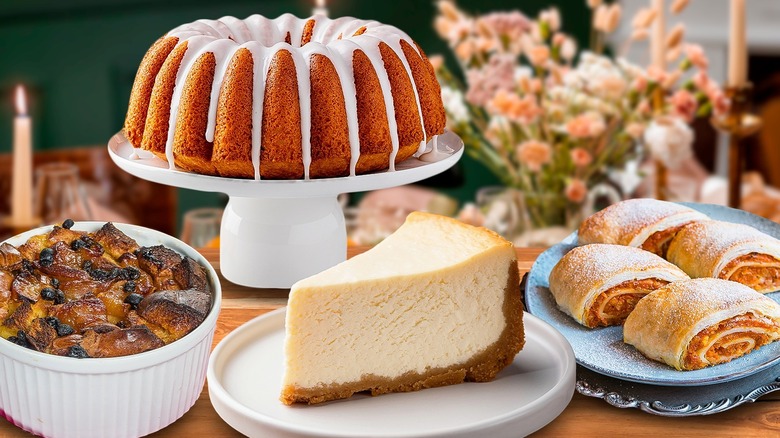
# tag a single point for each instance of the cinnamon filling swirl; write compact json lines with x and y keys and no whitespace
{"x":758,"y":271}
{"x":613,"y":306}
{"x":729,"y":340}
{"x":658,"y":242}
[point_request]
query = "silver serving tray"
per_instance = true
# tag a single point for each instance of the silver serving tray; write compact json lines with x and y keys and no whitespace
{"x":673,"y":400}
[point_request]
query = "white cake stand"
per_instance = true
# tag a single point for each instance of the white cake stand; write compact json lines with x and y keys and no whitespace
{"x":276,"y":232}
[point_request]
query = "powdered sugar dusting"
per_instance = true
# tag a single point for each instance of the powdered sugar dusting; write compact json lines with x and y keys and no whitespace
{"x":685,"y":302}
{"x":592,"y":269}
{"x":602,"y":350}
{"x":620,"y":222}
{"x":703,"y":248}
{"x":603,"y":260}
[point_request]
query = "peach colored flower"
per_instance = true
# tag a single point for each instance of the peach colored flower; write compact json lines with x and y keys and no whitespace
{"x":639,"y":84}
{"x":437,"y":61}
{"x":684,"y":104}
{"x":534,"y":154}
{"x":536,"y":85}
{"x":581,"y":157}
{"x":593,"y":3}
{"x":523,"y":110}
{"x":558,"y":39}
{"x":465,"y":50}
{"x":449,"y":10}
{"x":696,"y":55}
{"x":443,"y":26}
{"x":656,"y":74}
{"x":552,"y":17}
{"x":635,"y":130}
{"x":576,"y":190}
{"x":609,"y":86}
{"x":671,"y":79}
{"x":587,"y":125}
{"x":702,"y":81}
{"x":568,"y":49}
{"x":486,"y":44}
{"x":538,"y":55}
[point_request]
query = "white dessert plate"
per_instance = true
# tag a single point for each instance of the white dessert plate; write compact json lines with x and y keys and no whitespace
{"x":602,"y":349}
{"x":245,"y":374}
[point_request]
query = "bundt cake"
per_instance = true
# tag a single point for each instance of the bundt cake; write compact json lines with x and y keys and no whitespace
{"x":286,"y":98}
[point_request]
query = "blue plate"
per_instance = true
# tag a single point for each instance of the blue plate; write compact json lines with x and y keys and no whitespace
{"x":602,"y":349}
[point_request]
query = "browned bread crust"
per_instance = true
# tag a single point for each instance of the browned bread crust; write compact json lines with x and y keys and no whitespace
{"x":73,"y":293}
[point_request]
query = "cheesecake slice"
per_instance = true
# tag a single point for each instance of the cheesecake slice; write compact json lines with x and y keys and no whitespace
{"x":436,"y":303}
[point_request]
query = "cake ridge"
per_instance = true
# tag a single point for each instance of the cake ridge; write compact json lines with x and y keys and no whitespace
{"x":336,"y":39}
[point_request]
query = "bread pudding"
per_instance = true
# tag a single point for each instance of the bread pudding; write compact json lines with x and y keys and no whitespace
{"x":100,"y":294}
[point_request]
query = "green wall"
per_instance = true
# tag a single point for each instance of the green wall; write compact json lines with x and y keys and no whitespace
{"x":78,"y":59}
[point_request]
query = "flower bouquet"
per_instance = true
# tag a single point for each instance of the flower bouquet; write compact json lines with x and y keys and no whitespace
{"x":555,"y":123}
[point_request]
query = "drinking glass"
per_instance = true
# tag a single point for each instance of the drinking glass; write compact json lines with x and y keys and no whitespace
{"x":201,"y":226}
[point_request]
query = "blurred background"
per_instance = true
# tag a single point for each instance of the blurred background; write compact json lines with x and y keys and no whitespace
{"x":77,"y":61}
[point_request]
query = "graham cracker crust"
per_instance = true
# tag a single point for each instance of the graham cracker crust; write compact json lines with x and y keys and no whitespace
{"x":483,"y":367}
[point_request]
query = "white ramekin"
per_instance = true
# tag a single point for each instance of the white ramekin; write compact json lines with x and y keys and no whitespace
{"x":128,"y":396}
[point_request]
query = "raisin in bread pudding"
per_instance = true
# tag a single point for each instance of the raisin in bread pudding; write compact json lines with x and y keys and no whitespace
{"x":98,"y":294}
{"x":436,"y":303}
{"x":287,"y":98}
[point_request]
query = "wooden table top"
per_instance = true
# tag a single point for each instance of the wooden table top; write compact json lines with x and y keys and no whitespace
{"x":585,"y":416}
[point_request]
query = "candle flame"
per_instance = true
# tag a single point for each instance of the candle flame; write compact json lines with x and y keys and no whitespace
{"x":21,"y":101}
{"x":321,"y":3}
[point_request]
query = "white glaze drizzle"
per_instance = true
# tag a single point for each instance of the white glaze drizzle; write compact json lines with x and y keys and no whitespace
{"x":264,"y":38}
{"x":434,"y":153}
{"x":223,"y":53}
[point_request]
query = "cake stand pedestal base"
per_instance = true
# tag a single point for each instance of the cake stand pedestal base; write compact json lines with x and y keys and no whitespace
{"x":276,"y":232}
{"x":276,"y":242}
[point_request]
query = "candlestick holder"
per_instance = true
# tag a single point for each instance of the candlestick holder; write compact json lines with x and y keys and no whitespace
{"x":740,"y":124}
{"x":660,"y":167}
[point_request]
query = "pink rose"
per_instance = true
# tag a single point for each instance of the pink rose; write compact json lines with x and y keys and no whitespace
{"x":656,"y":74}
{"x":581,"y":157}
{"x":702,"y":81}
{"x":644,"y":107}
{"x":696,"y":55}
{"x":720,"y":103}
{"x":640,"y":84}
{"x":534,"y":154}
{"x":576,"y":191}
{"x":684,"y":104}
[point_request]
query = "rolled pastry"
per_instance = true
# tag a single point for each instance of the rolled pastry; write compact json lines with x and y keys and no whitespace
{"x":729,"y":251}
{"x":649,"y":224}
{"x":693,"y":324}
{"x":599,"y":284}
